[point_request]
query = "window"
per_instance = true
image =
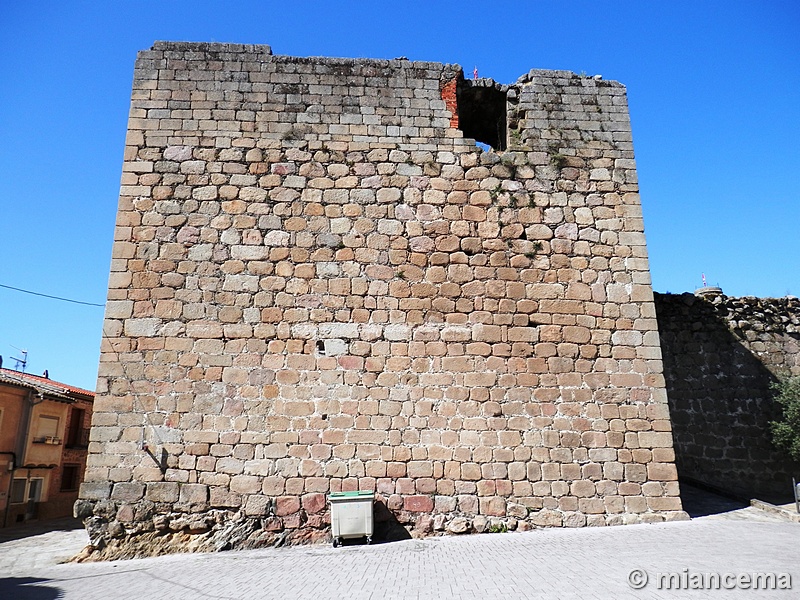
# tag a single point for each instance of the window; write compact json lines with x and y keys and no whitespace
{"x":18,"y":489}
{"x":35,"y":485}
{"x":27,"y":490}
{"x":69,"y":478}
{"x":482,"y":112}
{"x":47,"y":430}
{"x":74,"y":435}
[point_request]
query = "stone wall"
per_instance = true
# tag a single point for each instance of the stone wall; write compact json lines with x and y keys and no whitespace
{"x":319,"y":284}
{"x":720,"y":356}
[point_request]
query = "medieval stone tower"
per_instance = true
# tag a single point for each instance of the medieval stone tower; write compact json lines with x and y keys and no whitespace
{"x":321,"y":283}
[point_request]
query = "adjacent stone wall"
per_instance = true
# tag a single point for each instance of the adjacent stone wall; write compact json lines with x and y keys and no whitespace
{"x":318,"y":284}
{"x":720,"y":356}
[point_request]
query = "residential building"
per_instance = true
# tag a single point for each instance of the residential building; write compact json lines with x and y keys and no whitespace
{"x":44,"y":427}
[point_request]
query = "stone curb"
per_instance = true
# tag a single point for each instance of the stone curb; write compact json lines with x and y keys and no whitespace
{"x":775,"y":510}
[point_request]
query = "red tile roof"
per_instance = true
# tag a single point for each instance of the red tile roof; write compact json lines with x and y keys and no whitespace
{"x":42,"y":383}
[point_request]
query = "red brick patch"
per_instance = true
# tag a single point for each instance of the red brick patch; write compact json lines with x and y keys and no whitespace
{"x":449,"y":97}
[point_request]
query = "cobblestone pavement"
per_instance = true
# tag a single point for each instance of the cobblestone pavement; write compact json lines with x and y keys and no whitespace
{"x":566,"y":564}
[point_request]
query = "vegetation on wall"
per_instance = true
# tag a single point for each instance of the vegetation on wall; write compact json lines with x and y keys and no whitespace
{"x":786,"y":431}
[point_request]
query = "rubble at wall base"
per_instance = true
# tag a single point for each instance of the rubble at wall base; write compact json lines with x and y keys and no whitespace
{"x":216,"y":530}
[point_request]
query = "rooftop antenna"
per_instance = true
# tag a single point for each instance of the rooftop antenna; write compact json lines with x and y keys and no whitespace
{"x":23,"y":362}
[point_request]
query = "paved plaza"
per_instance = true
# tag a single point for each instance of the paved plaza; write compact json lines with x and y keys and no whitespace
{"x":587,"y":563}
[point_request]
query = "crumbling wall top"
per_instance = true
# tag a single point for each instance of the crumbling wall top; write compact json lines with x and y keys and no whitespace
{"x":565,"y":77}
{"x":212,"y":47}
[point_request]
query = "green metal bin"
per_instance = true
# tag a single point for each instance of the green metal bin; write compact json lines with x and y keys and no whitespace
{"x":351,"y":515}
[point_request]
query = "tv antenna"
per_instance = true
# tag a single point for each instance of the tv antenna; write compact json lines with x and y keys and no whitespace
{"x":23,"y":362}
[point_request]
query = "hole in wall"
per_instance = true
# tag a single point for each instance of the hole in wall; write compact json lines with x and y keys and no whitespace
{"x":332,"y":347}
{"x":482,"y":113}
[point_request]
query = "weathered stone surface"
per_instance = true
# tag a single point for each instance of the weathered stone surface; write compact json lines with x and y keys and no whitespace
{"x":351,"y":295}
{"x":418,"y":504}
{"x":314,"y":503}
{"x":458,"y":525}
{"x":95,"y":490}
{"x":517,"y":511}
{"x":287,"y":505}
{"x":721,"y":355}
{"x":193,"y":493}
{"x":128,"y":492}
{"x":162,"y":492}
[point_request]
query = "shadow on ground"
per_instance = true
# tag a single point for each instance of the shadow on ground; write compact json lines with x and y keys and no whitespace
{"x":19,"y":532}
{"x":386,"y":528}
{"x":27,"y":588}
{"x":701,"y":503}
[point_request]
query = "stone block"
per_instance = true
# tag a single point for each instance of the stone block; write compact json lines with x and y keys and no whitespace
{"x":662,"y":472}
{"x":223,"y":498}
{"x":422,"y":504}
{"x":493,"y":506}
{"x":257,"y":506}
{"x":127,"y":491}
{"x":95,"y":490}
{"x":164,"y":491}
{"x":142,"y":327}
{"x":287,"y":505}
{"x":655,"y":439}
{"x":193,"y":493}
{"x":245,"y":484}
{"x":458,"y":525}
{"x":314,"y":503}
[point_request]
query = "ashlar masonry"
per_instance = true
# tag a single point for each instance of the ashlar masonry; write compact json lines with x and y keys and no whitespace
{"x":321,"y":283}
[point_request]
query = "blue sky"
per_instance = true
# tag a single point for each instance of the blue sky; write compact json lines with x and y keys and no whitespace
{"x":713,"y":88}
